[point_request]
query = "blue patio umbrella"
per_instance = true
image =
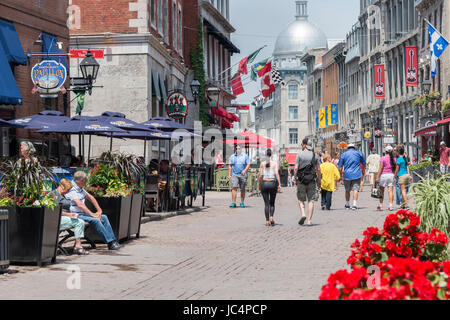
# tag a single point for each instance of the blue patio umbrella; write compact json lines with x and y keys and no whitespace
{"x":119,"y":120}
{"x":7,"y":124}
{"x":165,"y":124}
{"x":42,"y":120}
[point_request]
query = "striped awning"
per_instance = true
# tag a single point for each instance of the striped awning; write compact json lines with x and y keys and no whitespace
{"x":425,"y":130}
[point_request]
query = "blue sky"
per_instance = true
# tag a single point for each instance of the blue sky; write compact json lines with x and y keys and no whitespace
{"x":258,"y":22}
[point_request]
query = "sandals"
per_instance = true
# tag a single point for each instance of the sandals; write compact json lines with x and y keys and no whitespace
{"x":391,"y":208}
{"x":80,"y":251}
{"x":267,"y":224}
{"x":380,"y":207}
{"x":272,"y":223}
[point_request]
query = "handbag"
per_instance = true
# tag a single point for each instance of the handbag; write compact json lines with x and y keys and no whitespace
{"x":376,"y":192}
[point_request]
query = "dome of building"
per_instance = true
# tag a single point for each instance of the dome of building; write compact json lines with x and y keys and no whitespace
{"x":299,"y":36}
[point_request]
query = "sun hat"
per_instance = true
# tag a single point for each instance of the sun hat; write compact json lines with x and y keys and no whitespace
{"x":442,"y":143}
{"x":388,"y":148}
{"x":350,"y":145}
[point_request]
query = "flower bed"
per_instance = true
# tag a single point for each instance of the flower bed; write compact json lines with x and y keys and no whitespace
{"x":408,"y":264}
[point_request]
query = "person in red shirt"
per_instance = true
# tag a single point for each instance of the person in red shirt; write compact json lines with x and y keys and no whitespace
{"x":445,"y":158}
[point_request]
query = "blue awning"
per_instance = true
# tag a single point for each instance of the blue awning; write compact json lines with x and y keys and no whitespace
{"x":49,"y":46}
{"x":11,"y":43}
{"x":9,"y":92}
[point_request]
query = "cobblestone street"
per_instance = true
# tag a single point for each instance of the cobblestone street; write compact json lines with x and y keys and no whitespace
{"x":217,"y":253}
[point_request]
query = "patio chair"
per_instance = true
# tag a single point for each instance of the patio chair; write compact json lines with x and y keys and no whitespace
{"x":151,"y":190}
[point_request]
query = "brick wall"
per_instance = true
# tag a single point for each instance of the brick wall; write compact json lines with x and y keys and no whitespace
{"x":30,"y":18}
{"x":190,"y":21}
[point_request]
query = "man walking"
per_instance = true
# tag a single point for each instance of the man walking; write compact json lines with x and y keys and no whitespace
{"x":354,"y":165}
{"x":373,"y":163}
{"x":308,"y":179}
{"x":239,"y":164}
{"x":444,"y":158}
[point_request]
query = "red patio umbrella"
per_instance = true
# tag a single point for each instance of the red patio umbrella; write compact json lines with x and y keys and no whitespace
{"x":254,"y":138}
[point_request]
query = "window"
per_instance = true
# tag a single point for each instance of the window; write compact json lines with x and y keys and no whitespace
{"x":180,"y":26}
{"x":293,"y":136}
{"x":293,"y":91}
{"x":160,"y":16}
{"x":293,"y":113}
{"x":175,"y":29}
{"x":153,"y":12}
{"x":166,"y":21}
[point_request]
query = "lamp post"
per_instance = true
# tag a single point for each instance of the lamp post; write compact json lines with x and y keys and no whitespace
{"x":213,"y":94}
{"x":195,"y":89}
{"x":89,"y":68}
{"x":426,"y":86}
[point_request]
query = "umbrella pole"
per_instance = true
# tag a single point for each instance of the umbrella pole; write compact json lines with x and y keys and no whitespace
{"x":110,"y":143}
{"x":82,"y":143}
{"x":145,"y":149}
{"x":89,"y":149}
{"x":79,"y":144}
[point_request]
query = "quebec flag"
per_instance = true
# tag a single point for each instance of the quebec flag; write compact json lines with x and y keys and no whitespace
{"x":437,"y":46}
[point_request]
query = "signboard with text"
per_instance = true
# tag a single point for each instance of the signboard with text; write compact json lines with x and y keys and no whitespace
{"x":81,"y":53}
{"x":177,"y":105}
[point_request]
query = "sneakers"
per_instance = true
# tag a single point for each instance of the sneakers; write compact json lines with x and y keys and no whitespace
{"x":354,"y":208}
{"x":114,"y":245}
{"x":242,"y":205}
{"x":233,"y":205}
{"x":347,"y":206}
{"x":323,"y":207}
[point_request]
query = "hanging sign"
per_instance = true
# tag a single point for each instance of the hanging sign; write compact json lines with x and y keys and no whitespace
{"x":411,"y":66}
{"x":379,"y":81}
{"x":81,"y":53}
{"x":49,"y":76}
{"x":177,"y":105}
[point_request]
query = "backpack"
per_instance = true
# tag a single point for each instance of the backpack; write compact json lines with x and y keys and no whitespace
{"x":307,"y":174}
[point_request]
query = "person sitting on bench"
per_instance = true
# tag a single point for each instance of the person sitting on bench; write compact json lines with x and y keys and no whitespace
{"x":99,"y":221}
{"x":69,"y":219}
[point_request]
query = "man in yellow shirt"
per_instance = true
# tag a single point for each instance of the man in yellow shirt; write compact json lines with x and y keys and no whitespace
{"x":329,"y":174}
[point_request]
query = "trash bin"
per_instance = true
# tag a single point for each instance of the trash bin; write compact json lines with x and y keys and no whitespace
{"x":4,"y":235}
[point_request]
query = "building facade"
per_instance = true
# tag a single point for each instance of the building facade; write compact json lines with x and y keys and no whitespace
{"x":22,"y":22}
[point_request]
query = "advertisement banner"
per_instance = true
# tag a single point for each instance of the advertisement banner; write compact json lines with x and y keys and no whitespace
{"x":317,"y":119}
{"x":379,"y":81}
{"x":334,"y":114}
{"x":322,"y":118}
{"x":411,"y":66}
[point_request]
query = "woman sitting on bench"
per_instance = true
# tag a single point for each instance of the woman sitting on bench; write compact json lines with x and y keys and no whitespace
{"x":69,"y":219}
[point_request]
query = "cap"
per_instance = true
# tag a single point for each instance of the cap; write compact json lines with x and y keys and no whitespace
{"x":442,"y":143}
{"x":309,"y":145}
{"x":350,"y":145}
{"x":388,"y":149}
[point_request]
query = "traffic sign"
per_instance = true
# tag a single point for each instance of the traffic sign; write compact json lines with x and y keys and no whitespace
{"x":81,"y":53}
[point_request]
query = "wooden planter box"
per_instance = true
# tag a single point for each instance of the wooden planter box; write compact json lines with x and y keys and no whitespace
{"x":33,"y":234}
{"x":118,"y":211}
{"x":137,"y":206}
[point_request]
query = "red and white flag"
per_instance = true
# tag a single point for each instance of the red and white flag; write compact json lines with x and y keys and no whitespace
{"x":236,"y":84}
{"x":267,"y":85}
{"x":411,"y":66}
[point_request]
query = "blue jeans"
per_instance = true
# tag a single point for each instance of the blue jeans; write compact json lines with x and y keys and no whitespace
{"x":102,"y":227}
{"x":398,"y":192}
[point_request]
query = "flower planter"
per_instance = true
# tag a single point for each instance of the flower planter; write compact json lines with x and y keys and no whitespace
{"x":4,"y":235}
{"x":118,"y":211}
{"x":33,"y":234}
{"x":136,"y":214}
{"x":415,"y":175}
{"x":284,"y":177}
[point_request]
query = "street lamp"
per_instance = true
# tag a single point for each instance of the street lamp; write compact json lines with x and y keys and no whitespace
{"x":352,"y":124}
{"x":89,"y":68}
{"x":426,"y":86}
{"x":195,"y":89}
{"x":213,"y":94}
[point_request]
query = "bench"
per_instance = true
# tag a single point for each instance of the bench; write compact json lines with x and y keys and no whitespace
{"x":69,"y":234}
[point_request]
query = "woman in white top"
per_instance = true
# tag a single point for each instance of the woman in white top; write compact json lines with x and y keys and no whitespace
{"x":268,"y":172}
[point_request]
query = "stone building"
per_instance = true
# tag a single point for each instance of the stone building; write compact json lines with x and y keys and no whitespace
{"x":284,"y":117}
{"x":21,"y":23}
{"x":144,"y":62}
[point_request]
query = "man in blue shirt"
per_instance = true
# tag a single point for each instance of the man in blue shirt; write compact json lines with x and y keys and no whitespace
{"x":239,"y":164}
{"x":354,"y":165}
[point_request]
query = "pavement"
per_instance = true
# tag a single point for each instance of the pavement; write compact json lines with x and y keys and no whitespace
{"x":213,"y":252}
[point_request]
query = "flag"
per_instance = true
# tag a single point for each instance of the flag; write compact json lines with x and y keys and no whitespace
{"x":379,"y":81}
{"x":236,"y":84}
{"x":255,"y":68}
{"x":276,"y":77}
{"x":322,"y":118}
{"x":317,"y":119}
{"x":249,"y":59}
{"x":411,"y":66}
{"x":437,"y":46}
{"x":334,"y":114}
{"x":81,"y":95}
{"x":267,"y":86}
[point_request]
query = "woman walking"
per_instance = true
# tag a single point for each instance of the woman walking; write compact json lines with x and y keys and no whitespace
{"x":268,"y":172}
{"x":385,"y":177}
{"x":402,"y":174}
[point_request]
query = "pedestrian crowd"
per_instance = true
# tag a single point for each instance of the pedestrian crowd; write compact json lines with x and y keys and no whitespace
{"x":317,"y":173}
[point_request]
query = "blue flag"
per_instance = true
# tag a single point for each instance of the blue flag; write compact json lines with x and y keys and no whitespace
{"x":437,"y":46}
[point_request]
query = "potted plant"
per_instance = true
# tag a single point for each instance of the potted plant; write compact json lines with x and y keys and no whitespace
{"x":34,"y":218}
{"x":434,"y":95}
{"x":420,"y":101}
{"x":446,"y":105}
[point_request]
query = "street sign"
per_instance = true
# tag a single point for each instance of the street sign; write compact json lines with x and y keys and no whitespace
{"x":388,"y":140}
{"x":79,"y":82}
{"x":81,"y":53}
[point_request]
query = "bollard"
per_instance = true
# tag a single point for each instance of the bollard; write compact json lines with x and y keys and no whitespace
{"x":4,"y":235}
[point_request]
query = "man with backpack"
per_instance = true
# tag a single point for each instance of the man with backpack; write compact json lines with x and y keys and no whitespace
{"x":307,"y":171}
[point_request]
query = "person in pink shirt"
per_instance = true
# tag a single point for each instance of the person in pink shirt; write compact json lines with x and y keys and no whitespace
{"x":335,"y":161}
{"x":445,"y":158}
{"x":385,"y":176}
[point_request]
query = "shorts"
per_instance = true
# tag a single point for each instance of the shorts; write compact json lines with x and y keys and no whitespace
{"x":352,"y":185}
{"x":238,"y":182}
{"x":404,"y":179}
{"x":444,"y":169}
{"x":307,"y":192}
{"x":387,"y":180}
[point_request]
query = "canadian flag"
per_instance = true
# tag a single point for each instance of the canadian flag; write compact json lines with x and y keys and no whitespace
{"x":267,"y":86}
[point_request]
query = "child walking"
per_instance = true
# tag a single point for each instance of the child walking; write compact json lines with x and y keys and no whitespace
{"x":329,"y":174}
